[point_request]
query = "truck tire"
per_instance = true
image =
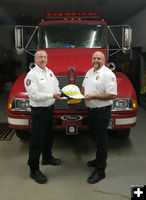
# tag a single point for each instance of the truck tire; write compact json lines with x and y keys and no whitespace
{"x":21,"y":134}
{"x":122,"y":134}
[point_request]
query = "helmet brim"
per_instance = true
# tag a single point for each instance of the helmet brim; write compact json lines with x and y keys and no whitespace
{"x":79,"y":96}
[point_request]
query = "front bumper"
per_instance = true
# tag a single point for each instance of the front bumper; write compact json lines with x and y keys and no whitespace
{"x":118,"y":121}
{"x":17,"y":121}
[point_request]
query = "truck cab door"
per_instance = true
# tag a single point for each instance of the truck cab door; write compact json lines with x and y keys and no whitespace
{"x":26,"y":39}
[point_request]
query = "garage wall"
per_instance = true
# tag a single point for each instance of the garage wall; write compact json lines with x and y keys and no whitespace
{"x":138,"y":24}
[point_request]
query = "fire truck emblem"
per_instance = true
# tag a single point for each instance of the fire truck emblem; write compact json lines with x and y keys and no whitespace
{"x":28,"y":82}
{"x":71,"y":117}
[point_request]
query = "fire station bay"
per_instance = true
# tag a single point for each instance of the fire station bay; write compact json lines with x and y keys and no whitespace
{"x":65,"y":135}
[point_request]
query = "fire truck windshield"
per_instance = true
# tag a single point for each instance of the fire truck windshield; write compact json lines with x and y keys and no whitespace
{"x":72,"y":35}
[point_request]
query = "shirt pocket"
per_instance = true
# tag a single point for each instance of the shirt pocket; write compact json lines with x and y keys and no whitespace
{"x":42,"y":83}
{"x":100,"y":87}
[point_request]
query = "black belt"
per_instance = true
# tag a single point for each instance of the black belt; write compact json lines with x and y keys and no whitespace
{"x":100,"y":108}
{"x":43,"y":108}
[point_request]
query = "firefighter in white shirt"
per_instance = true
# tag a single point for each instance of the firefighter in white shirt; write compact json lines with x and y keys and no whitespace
{"x":43,"y":89}
{"x":99,"y":88}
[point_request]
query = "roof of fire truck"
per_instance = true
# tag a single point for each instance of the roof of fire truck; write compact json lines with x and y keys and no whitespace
{"x":73,"y":16}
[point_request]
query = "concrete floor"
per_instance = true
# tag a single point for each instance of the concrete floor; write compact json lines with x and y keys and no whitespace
{"x":126,"y":167}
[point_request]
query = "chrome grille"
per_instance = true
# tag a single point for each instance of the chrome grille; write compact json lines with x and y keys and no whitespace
{"x":61,"y":105}
{"x":79,"y":80}
{"x":63,"y":81}
{"x":80,"y":106}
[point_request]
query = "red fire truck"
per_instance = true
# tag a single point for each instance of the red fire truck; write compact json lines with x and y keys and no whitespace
{"x":70,"y":40}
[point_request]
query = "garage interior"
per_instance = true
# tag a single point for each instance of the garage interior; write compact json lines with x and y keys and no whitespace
{"x":126,"y":159}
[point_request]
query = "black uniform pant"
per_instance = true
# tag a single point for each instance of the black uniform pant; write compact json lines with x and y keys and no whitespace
{"x":98,"y":123}
{"x":41,"y":135}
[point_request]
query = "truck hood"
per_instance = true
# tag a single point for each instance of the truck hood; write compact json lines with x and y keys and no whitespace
{"x":124,"y":86}
{"x":59,"y":60}
{"x":18,"y":89}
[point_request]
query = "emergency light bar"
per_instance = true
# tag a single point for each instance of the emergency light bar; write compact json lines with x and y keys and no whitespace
{"x":72,"y":14}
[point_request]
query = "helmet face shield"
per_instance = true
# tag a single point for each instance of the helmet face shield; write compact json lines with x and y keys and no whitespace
{"x":72,"y":91}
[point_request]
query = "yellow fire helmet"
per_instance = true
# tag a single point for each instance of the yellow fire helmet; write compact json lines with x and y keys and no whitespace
{"x":74,"y":101}
{"x":72,"y":91}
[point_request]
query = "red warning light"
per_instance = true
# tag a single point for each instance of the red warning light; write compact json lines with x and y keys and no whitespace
{"x":72,"y":14}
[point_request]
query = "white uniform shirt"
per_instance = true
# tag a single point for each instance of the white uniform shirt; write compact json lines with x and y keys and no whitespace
{"x":40,"y":86}
{"x":99,"y":82}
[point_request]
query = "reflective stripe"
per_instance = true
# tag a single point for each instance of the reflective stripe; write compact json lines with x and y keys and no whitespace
{"x":125,"y":121}
{"x":14,"y":121}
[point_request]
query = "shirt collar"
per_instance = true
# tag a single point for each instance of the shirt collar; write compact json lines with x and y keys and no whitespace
{"x":39,"y":68}
{"x":97,"y":71}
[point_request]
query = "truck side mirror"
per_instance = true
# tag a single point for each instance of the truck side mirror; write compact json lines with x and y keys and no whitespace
{"x":127,"y":38}
{"x":26,"y":39}
{"x":120,"y":38}
{"x":19,"y":40}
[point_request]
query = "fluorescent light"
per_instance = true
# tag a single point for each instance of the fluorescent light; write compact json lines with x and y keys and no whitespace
{"x":46,"y":41}
{"x":93,"y":38}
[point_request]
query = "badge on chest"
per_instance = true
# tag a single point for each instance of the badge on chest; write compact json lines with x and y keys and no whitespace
{"x":97,"y":77}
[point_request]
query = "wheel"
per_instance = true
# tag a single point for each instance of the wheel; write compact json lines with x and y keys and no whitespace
{"x":121,"y":134}
{"x":22,"y":134}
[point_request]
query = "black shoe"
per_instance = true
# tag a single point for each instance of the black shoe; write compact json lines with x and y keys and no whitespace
{"x":96,"y":176}
{"x":91,"y":163}
{"x":38,"y":176}
{"x":51,"y":161}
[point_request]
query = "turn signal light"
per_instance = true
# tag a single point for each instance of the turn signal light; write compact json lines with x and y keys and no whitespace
{"x":134,"y":104}
{"x":9,"y":104}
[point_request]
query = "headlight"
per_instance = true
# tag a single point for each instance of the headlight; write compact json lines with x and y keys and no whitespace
{"x":20,"y":105}
{"x":123,"y":104}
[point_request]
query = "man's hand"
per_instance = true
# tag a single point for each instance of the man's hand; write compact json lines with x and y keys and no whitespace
{"x":89,"y":97}
{"x":104,"y":96}
{"x":56,"y":96}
